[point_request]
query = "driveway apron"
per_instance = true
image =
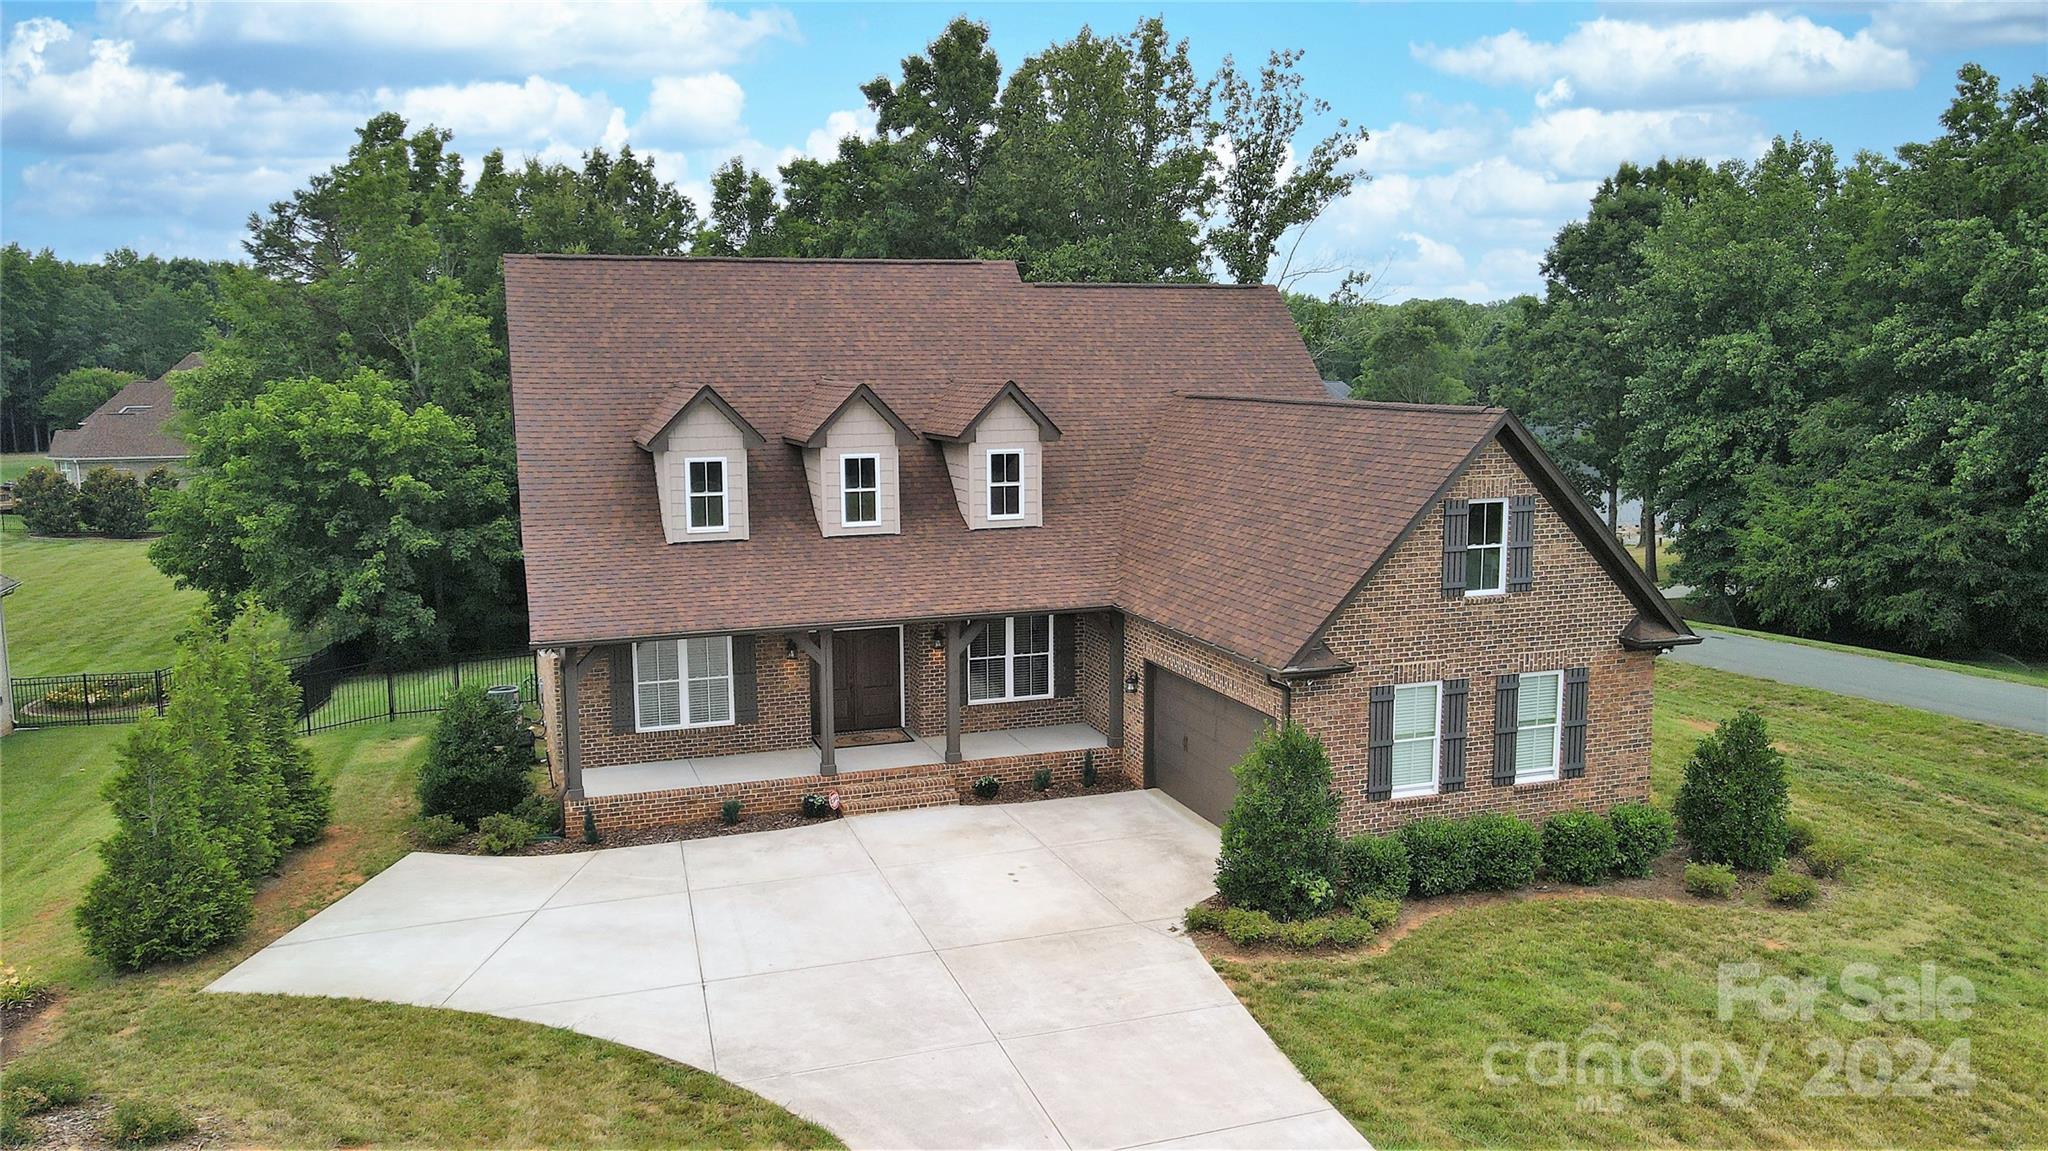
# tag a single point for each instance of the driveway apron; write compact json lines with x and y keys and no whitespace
{"x":950,"y":977}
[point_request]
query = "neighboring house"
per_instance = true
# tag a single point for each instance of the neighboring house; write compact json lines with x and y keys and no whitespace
{"x":906,"y":524}
{"x":127,"y":433}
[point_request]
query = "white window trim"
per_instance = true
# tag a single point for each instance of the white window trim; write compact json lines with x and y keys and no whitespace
{"x":683,"y":688}
{"x":1052,"y":663}
{"x":844,"y":491}
{"x":1436,"y":746}
{"x":990,"y":485}
{"x":1556,"y":732}
{"x":724,"y":494}
{"x":1502,"y":547}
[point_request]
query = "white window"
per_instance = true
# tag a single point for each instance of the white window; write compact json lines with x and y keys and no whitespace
{"x":1485,"y":547}
{"x":706,"y":479}
{"x":1415,"y":739}
{"x":860,"y":491}
{"x":682,"y":683}
{"x":1005,"y":485}
{"x":1012,"y":659}
{"x":1537,"y":703}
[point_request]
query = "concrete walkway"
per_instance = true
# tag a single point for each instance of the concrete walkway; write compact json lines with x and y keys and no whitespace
{"x":1994,"y":701}
{"x":1001,"y":976}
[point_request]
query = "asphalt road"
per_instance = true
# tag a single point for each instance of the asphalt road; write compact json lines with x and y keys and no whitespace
{"x":1994,"y":701}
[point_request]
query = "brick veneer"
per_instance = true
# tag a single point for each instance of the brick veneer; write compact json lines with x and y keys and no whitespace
{"x":782,"y":692}
{"x":1400,"y":629}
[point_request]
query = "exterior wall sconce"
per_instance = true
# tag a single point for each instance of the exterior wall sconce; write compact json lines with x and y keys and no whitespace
{"x":1131,"y":684}
{"x":938,"y":639}
{"x":789,"y":648}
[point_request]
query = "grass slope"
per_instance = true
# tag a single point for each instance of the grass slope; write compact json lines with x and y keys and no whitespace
{"x":282,"y":1071}
{"x":1952,"y":818}
{"x":88,"y":605}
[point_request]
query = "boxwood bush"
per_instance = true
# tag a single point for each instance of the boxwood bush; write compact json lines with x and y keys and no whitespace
{"x":1374,"y":866}
{"x":1710,"y":880}
{"x":476,"y":765}
{"x":1505,"y":851}
{"x":1439,"y":856}
{"x":1578,"y":847}
{"x":1733,"y":803}
{"x":1642,"y":834}
{"x":1280,"y":835}
{"x":1791,"y":889}
{"x":502,"y":834}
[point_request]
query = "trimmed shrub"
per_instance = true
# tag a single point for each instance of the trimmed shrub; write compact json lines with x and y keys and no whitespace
{"x":1203,"y":917}
{"x":1578,"y":847}
{"x":437,"y":830}
{"x":1242,"y":925}
{"x":146,"y":1122}
{"x":542,"y":809}
{"x":1374,"y":866}
{"x":1280,"y":836}
{"x":1829,"y":858}
{"x":1245,"y":927}
{"x":111,"y":503}
{"x":169,"y":889}
{"x":33,"y":1087}
{"x":1799,"y":832}
{"x":1041,"y":779}
{"x":1642,"y":834}
{"x":1439,"y":856}
{"x":1733,"y":803}
{"x":1505,"y":851}
{"x":729,"y":811}
{"x":589,"y":825}
{"x":1710,"y":880}
{"x":502,"y":834}
{"x":1088,"y":768}
{"x":987,"y":786}
{"x":1791,"y":889}
{"x":46,"y":502}
{"x":476,"y":766}
{"x":1376,"y":912}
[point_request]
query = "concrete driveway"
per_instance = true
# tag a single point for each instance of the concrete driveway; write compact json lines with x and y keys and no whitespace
{"x":1001,"y":976}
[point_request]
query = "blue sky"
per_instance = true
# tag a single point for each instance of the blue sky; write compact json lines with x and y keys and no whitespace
{"x":162,"y":125}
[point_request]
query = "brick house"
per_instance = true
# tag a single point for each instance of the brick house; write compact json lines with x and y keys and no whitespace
{"x":886,"y":527}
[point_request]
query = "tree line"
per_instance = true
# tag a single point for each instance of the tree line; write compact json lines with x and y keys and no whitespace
{"x":1826,"y":380}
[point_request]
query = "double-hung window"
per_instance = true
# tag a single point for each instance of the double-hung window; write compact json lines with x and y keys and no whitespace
{"x":1011,"y":660}
{"x":706,"y":494}
{"x":1538,"y":702}
{"x":1005,"y":485}
{"x":1415,"y":739}
{"x":860,"y":491}
{"x":1485,"y":547}
{"x":682,"y":683}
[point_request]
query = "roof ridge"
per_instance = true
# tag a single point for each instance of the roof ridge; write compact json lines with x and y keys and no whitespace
{"x":1144,"y":284}
{"x":783,"y":260}
{"x":1333,"y":402}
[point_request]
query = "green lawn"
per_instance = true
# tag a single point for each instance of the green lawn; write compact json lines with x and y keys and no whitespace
{"x":88,"y":605}
{"x":280,"y":1071}
{"x":1953,"y":820}
{"x":12,"y":464}
{"x":1991,"y":666}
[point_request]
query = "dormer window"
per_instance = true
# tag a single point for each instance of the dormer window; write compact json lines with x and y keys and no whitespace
{"x":860,"y":490}
{"x":1005,"y":485}
{"x":706,"y":477}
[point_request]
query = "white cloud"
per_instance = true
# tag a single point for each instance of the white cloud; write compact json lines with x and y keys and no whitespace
{"x":1588,"y":141}
{"x":693,"y":111}
{"x":1557,"y":94}
{"x":823,"y":142}
{"x":1403,"y":147}
{"x":626,"y":37}
{"x":1959,"y":23}
{"x":1755,"y":56}
{"x":535,"y":112}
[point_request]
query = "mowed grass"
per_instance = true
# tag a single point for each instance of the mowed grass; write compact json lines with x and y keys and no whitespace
{"x":283,"y":1071}
{"x":12,"y":464}
{"x":88,"y":605}
{"x":1951,"y":819}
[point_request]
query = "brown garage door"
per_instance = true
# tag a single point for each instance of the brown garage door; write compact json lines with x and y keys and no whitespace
{"x":1193,"y":738}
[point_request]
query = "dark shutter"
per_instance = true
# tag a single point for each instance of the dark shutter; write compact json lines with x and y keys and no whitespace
{"x":622,"y":688}
{"x":1452,"y":734}
{"x":1574,"y":739}
{"x":1063,"y":656}
{"x":745,"y":708}
{"x":1457,"y":529}
{"x":1379,"y":744}
{"x":1521,"y":543}
{"x":1506,"y":690}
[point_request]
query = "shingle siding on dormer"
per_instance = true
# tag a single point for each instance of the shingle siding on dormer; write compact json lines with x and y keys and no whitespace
{"x":1006,"y":427}
{"x":859,"y":430}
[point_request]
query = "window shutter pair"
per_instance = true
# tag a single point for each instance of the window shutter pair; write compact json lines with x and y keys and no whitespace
{"x":1457,"y":529}
{"x":1521,"y":543}
{"x":625,"y":692}
{"x":1379,"y":743}
{"x":1063,"y":656}
{"x":1572,"y":741}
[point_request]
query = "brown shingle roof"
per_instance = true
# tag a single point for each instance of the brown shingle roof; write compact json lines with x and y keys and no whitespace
{"x":955,"y":410}
{"x":110,"y":433}
{"x":822,"y":403}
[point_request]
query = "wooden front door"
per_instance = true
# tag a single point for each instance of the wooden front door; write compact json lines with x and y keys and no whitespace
{"x":867,"y":673}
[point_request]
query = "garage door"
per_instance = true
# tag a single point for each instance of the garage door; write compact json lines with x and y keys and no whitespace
{"x":1193,"y":738}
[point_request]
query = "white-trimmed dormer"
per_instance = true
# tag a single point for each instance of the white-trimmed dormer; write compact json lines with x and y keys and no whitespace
{"x":852,"y":443}
{"x":995,"y":452}
{"x":700,"y":445}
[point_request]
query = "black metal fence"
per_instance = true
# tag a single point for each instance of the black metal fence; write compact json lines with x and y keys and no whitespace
{"x":88,"y":698}
{"x":332,"y":694}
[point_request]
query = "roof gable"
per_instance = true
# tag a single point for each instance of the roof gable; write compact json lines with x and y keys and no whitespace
{"x":680,"y":403}
{"x":953,"y":417}
{"x":129,"y":426}
{"x":831,"y":399}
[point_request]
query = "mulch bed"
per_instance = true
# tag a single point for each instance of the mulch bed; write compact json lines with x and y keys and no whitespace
{"x":16,"y":1019}
{"x":82,"y":1127}
{"x":1105,"y":784}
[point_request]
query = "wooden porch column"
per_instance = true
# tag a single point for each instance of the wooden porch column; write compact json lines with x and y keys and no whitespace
{"x":1115,"y":734}
{"x":820,"y":651}
{"x":572,"y":724}
{"x":960,"y":635}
